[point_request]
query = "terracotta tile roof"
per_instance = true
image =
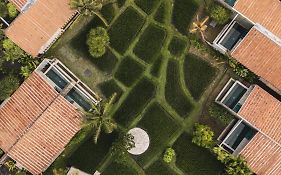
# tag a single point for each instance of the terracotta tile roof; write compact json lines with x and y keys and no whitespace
{"x":40,"y":124}
{"x":261,"y":55}
{"x":18,"y":3}
{"x":35,"y":29}
{"x":263,"y":155}
{"x":264,"y":112}
{"x":265,"y":12}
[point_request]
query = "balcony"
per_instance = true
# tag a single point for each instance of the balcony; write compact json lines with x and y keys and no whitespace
{"x":67,"y":84}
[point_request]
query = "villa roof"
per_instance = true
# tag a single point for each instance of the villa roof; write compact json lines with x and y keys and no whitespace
{"x":36,"y":124}
{"x":263,"y":155}
{"x":263,"y":111}
{"x":19,"y":3}
{"x":36,"y":28}
{"x":261,"y":55}
{"x":265,"y":12}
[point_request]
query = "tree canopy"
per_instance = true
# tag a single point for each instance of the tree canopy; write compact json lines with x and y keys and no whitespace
{"x":97,"y":41}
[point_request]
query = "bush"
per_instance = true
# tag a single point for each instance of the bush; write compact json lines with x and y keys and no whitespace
{"x":97,"y":41}
{"x":12,"y":51}
{"x":237,"y":165}
{"x":169,"y":155}
{"x":221,"y":154}
{"x":241,"y":70}
{"x":3,"y":10}
{"x":7,"y":86}
{"x":203,"y":136}
{"x":12,"y":10}
{"x":220,"y":113}
{"x":220,"y":14}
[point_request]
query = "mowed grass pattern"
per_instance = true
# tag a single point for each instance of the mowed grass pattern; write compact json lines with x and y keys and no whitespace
{"x":135,"y":102}
{"x":108,"y":88}
{"x":192,"y":159}
{"x":198,"y":75}
{"x":173,"y":91}
{"x":125,"y":29}
{"x":160,"y":126}
{"x":147,"y":5}
{"x":160,"y":168}
{"x":129,"y":71}
{"x":177,"y":46}
{"x":150,"y":43}
{"x":183,"y":14}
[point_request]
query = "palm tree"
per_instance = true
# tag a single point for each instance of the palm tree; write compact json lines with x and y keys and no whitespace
{"x":90,"y":7}
{"x":99,"y":118}
{"x":199,"y":26}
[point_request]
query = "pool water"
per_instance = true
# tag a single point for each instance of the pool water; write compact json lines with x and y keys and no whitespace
{"x":56,"y":78}
{"x":230,"y":2}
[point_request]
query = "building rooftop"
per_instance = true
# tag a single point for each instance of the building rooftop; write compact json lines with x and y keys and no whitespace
{"x":265,"y":12}
{"x":261,"y":55}
{"x":36,"y":29}
{"x":42,"y":116}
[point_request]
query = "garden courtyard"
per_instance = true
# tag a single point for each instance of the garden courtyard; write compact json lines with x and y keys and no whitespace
{"x":163,"y":85}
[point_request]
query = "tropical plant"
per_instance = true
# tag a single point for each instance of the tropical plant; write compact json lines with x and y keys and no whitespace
{"x":21,"y":172}
{"x":28,"y":64}
{"x":203,"y":136}
{"x":97,"y":41}
{"x":11,"y":165}
{"x":99,"y":118}
{"x":221,"y":114}
{"x":120,"y":147}
{"x":220,"y":14}
{"x":199,"y":26}
{"x":7,"y":86}
{"x":12,"y":10}
{"x":3,"y":10}
{"x":222,"y":155}
{"x":12,"y":52}
{"x":237,"y":166}
{"x":90,"y":7}
{"x":59,"y":171}
{"x":169,"y":155}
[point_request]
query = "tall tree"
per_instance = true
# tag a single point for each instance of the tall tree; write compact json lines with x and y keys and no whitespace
{"x":99,"y":118}
{"x":90,"y":7}
{"x":199,"y":26}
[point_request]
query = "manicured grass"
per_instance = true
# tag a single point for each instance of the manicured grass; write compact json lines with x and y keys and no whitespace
{"x":129,"y":71}
{"x":147,"y":5}
{"x":160,"y":127}
{"x":128,"y":168}
{"x":109,"y":87}
{"x":156,"y":67}
{"x":108,"y":12}
{"x":121,"y":2}
{"x":159,"y":168}
{"x":183,"y":13}
{"x":150,"y":43}
{"x":162,"y":13}
{"x":198,"y":75}
{"x":125,"y":29}
{"x":177,"y":46}
{"x":195,"y":160}
{"x":105,"y":63}
{"x":173,"y":91}
{"x":135,"y":102}
{"x":89,"y":155}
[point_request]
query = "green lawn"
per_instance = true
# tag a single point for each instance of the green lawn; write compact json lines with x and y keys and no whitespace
{"x":160,"y":127}
{"x":108,"y":12}
{"x":162,"y":13}
{"x":183,"y":13}
{"x":123,"y":31}
{"x":150,"y":43}
{"x":173,"y":91}
{"x":89,"y":155}
{"x":147,"y":5}
{"x":129,"y":71}
{"x":198,"y":75}
{"x":135,"y":102}
{"x":195,"y":160}
{"x":177,"y":46}
{"x":160,"y":168}
{"x":156,"y":67}
{"x":109,"y":87}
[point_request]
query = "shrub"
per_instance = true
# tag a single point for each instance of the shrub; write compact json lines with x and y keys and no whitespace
{"x":203,"y":136}
{"x":12,"y":51}
{"x":237,"y":165}
{"x":221,"y":154}
{"x":220,"y":14}
{"x":7,"y":86}
{"x":3,"y":10}
{"x":169,"y":155}
{"x":220,"y":113}
{"x":12,"y":10}
{"x":97,"y":41}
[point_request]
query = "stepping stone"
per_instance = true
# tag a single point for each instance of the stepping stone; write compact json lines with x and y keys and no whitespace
{"x":88,"y":73}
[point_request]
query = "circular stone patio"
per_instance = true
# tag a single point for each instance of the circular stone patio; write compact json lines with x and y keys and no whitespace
{"x":141,"y":140}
